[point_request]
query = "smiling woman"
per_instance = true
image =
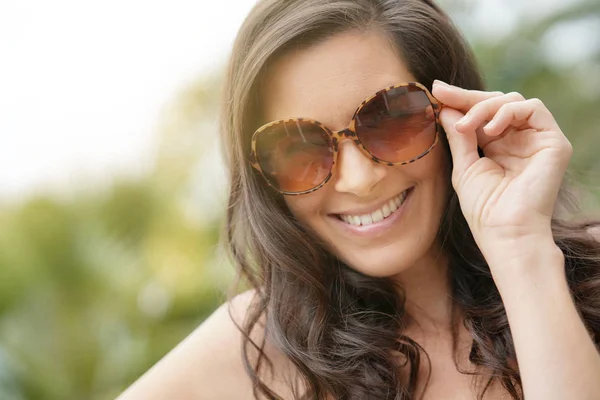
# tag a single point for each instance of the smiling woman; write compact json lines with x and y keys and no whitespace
{"x":398,"y":253}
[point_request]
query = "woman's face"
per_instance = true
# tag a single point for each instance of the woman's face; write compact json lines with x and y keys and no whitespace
{"x":327,"y":82}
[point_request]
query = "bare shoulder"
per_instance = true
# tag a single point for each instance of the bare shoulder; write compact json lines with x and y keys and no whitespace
{"x":207,"y":364}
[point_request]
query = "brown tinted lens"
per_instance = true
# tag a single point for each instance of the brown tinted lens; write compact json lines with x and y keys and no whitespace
{"x":397,"y":125}
{"x":294,"y":156}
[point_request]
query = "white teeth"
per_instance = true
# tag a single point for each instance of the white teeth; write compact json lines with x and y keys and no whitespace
{"x":386,"y":210}
{"x":366,"y":219}
{"x":378,"y":215}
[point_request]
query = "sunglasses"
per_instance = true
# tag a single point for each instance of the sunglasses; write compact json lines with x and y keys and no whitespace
{"x":396,"y":126}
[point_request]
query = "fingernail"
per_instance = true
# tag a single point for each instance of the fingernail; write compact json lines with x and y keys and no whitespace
{"x":441,"y":83}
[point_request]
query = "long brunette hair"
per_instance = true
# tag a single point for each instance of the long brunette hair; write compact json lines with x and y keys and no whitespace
{"x":341,"y":329}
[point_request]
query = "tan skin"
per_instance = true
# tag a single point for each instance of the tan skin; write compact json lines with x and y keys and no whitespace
{"x":326,"y":82}
{"x":314,"y":83}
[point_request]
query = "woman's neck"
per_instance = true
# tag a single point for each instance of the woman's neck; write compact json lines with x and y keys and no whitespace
{"x":426,"y":288}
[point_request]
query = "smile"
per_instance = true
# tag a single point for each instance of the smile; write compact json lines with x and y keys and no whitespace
{"x":382,"y":213}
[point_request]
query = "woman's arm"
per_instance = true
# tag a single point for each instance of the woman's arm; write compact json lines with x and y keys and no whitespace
{"x":508,"y":198}
{"x":556,"y":355}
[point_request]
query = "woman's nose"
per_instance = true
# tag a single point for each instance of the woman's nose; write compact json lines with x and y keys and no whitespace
{"x":356,"y":173}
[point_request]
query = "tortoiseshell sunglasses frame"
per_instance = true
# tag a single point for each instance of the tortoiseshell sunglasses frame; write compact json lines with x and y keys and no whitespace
{"x":349,"y":132}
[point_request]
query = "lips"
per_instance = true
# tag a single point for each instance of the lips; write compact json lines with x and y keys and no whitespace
{"x":380,"y":214}
{"x":384,"y":211}
{"x":375,"y":229}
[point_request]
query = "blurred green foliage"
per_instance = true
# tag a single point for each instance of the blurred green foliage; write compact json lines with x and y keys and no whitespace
{"x":97,"y":288}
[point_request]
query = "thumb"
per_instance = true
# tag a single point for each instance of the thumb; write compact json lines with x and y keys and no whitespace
{"x":463,"y":146}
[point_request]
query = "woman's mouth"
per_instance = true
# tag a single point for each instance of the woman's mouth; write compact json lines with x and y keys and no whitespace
{"x":387,"y":210}
{"x":378,"y":222}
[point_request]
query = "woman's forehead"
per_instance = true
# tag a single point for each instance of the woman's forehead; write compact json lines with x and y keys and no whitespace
{"x":329,"y":80}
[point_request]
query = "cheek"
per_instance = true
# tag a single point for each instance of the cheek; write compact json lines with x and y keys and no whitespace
{"x":440,"y":176}
{"x":305,"y":208}
{"x":433,"y":176}
{"x":434,"y":168}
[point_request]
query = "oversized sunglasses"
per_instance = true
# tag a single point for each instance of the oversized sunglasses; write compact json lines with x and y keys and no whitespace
{"x":396,"y":126}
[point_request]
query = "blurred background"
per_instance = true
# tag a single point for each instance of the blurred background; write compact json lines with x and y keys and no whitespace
{"x":111,"y":186}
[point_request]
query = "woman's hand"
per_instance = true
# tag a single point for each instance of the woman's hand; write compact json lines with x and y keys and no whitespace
{"x":508,"y":198}
{"x":508,"y":195}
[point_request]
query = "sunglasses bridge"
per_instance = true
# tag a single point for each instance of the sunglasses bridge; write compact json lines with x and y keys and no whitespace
{"x":338,"y":135}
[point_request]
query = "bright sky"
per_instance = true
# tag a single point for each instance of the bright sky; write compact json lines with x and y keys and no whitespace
{"x":82,"y":84}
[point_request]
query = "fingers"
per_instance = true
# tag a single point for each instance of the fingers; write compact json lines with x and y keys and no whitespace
{"x":481,"y":106}
{"x":459,"y":98}
{"x":474,"y":119}
{"x":531,"y":113}
{"x":485,"y":111}
{"x":463,"y":146}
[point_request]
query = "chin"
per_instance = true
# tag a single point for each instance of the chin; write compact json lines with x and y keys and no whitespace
{"x":378,"y":266}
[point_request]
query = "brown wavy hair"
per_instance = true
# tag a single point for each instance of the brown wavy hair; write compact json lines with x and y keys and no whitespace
{"x":340,"y":328}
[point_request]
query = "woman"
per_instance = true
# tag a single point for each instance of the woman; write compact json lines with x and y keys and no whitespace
{"x":414,"y":252}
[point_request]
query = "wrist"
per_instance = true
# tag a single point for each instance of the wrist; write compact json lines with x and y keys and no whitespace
{"x":527,"y":263}
{"x":519,"y":250}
